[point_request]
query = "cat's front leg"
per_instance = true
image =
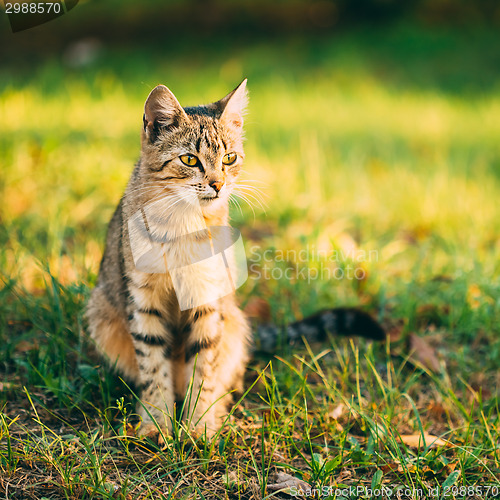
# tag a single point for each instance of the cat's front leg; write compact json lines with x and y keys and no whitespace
{"x":201,"y":353}
{"x":151,"y":341}
{"x":216,"y":356}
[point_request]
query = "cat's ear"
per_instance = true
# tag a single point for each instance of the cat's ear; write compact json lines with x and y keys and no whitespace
{"x":162,"y":110}
{"x":234,"y":105}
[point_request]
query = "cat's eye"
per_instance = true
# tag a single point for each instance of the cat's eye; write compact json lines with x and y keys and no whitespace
{"x":189,"y":160}
{"x":229,"y":158}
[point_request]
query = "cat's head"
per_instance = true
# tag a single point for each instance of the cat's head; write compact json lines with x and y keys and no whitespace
{"x":194,"y":151}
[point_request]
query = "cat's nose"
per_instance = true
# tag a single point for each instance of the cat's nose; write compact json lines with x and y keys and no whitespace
{"x":216,"y":185}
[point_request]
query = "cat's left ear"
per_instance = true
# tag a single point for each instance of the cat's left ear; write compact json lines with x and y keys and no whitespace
{"x":234,"y":105}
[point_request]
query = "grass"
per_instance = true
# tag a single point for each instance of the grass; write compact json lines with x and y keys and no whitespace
{"x":380,"y":146}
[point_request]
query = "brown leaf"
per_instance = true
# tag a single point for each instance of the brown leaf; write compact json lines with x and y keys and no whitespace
{"x":285,"y":482}
{"x":335,"y":415}
{"x":423,"y":352}
{"x":337,"y":412}
{"x":25,"y":346}
{"x":451,"y":467}
{"x":130,"y":430}
{"x":231,"y":479}
{"x":258,"y":309}
{"x":415,"y":441}
{"x":391,"y":467}
{"x":254,"y":487}
{"x":437,"y":411}
{"x":22,"y":322}
{"x":428,"y":472}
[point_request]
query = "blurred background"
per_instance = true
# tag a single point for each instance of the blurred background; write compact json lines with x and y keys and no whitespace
{"x":373,"y":125}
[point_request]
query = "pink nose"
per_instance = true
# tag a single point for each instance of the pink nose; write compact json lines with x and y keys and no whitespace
{"x":217,"y":186}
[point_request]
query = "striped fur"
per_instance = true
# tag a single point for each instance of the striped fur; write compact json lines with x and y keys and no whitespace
{"x":134,"y":317}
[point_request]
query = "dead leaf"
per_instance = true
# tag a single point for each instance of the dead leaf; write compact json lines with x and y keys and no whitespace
{"x":451,"y":467}
{"x":22,"y":322}
{"x":231,"y":479}
{"x":391,"y":467}
{"x":445,"y":469}
{"x":422,"y":351}
{"x":437,"y":412}
{"x":337,"y":412}
{"x":130,"y":430}
{"x":258,"y":309}
{"x":428,"y":472}
{"x":254,"y":488}
{"x":285,"y":482}
{"x":335,"y":415}
{"x":278,"y":457}
{"x":415,"y":441}
{"x":25,"y":346}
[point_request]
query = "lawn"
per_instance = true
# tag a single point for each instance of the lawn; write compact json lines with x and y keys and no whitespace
{"x":373,"y":174}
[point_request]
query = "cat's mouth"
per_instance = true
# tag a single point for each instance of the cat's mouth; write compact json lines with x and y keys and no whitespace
{"x":210,"y":198}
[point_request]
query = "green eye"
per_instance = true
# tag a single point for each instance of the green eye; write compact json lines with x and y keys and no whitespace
{"x":229,"y":158}
{"x":189,"y":160}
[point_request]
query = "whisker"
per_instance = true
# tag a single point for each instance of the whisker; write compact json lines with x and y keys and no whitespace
{"x":255,"y":195}
{"x":232,"y":199}
{"x":165,"y":211}
{"x":153,"y":185}
{"x":248,"y":202}
{"x":254,"y":180}
{"x":245,"y":195}
{"x":250,"y":188}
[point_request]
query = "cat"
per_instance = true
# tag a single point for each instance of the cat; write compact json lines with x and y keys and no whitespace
{"x":159,"y":329}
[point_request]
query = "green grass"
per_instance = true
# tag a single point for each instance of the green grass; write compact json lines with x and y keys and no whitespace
{"x":382,"y":142}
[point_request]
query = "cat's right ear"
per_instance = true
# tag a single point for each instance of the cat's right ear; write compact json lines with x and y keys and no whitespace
{"x":161,"y":111}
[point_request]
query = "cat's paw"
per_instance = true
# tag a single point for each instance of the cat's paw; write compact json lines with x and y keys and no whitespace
{"x":205,"y":428}
{"x":147,"y":429}
{"x":150,"y":430}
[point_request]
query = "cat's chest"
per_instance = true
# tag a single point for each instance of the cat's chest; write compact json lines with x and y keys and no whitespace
{"x":181,"y":289}
{"x":188,"y":272}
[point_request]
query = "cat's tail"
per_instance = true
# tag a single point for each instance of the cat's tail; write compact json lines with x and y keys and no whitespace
{"x":339,"y":321}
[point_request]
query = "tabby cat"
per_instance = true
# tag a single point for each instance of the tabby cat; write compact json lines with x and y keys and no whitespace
{"x":190,"y":157}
